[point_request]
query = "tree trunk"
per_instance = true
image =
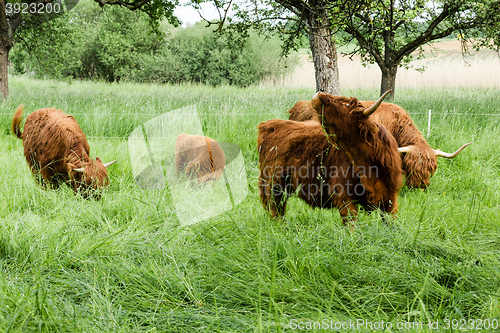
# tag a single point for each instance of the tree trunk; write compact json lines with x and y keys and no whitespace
{"x":324,"y":54}
{"x":6,"y":32}
{"x":4,"y":68}
{"x":389,"y":80}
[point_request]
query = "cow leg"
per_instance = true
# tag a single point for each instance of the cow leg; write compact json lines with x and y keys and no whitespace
{"x":280,"y":202}
{"x":277,"y":202}
{"x":35,"y":168}
{"x":42,"y":176}
{"x":349,"y":212}
{"x":392,"y":208}
{"x":280,"y":194}
{"x":273,"y":198}
{"x":49,"y":175}
{"x":264,"y":193}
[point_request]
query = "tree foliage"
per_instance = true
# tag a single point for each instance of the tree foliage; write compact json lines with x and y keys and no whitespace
{"x":28,"y":15}
{"x":291,"y":19}
{"x":385,"y":32}
{"x":392,"y":30}
{"x":115,"y":44}
{"x":388,"y":32}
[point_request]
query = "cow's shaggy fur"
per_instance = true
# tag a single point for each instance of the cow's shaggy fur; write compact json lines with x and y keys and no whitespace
{"x":200,"y":157}
{"x":419,"y":162}
{"x":54,"y":146}
{"x":304,"y":157}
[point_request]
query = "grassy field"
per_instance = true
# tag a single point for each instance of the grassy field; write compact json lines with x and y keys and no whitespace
{"x":124,"y":264}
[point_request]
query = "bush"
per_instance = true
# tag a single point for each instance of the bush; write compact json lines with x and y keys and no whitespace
{"x":115,"y":44}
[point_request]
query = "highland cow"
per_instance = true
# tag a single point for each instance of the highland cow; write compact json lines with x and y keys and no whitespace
{"x":200,"y":157}
{"x":419,"y":158}
{"x":57,"y":150}
{"x":348,"y":161}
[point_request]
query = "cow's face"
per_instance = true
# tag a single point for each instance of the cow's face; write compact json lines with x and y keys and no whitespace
{"x":419,"y":165}
{"x":336,"y":114}
{"x":91,"y":180}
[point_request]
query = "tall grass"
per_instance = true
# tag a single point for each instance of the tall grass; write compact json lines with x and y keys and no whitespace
{"x":444,"y":68}
{"x":124,"y":264}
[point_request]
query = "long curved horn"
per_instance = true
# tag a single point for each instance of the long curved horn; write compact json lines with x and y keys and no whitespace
{"x":443,"y":154}
{"x":109,"y":163}
{"x":371,"y":109}
{"x":80,"y":170}
{"x":406,"y":149}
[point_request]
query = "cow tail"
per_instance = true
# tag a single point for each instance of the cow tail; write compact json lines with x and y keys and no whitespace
{"x":16,"y":121}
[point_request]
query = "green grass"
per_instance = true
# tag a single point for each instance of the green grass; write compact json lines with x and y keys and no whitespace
{"x":123,"y":264}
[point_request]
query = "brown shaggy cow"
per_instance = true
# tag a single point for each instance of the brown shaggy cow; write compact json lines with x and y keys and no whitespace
{"x":419,"y":159}
{"x":304,"y":157}
{"x":200,"y":157}
{"x":56,"y":148}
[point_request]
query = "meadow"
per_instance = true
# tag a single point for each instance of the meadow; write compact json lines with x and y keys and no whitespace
{"x":125,"y":264}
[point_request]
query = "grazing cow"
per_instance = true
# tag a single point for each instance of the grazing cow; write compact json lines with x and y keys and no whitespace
{"x":419,"y":158}
{"x":351,"y":160}
{"x":200,"y":157}
{"x":56,"y":148}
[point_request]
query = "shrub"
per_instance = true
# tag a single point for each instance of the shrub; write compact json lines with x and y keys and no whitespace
{"x":115,"y":44}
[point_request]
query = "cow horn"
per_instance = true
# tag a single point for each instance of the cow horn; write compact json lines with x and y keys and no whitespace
{"x":109,"y":163}
{"x":371,"y":109}
{"x":443,"y":154}
{"x":406,"y":149}
{"x":80,"y":170}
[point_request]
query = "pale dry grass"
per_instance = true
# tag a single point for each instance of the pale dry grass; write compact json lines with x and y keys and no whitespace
{"x":444,"y":67}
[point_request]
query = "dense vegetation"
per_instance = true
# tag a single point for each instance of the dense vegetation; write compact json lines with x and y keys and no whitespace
{"x":116,"y":44}
{"x":123,"y":264}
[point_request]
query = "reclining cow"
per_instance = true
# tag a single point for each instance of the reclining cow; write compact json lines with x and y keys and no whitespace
{"x":200,"y":157}
{"x":419,"y":158}
{"x":57,"y":150}
{"x":350,"y":160}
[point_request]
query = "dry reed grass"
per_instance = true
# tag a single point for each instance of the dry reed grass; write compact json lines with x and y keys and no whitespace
{"x":444,"y":67}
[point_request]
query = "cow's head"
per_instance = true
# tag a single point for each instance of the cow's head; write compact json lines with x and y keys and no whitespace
{"x":420,"y":164}
{"x":341,"y":116}
{"x":91,"y":178}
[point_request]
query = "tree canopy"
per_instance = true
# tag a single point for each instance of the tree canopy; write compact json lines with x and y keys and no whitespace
{"x":116,"y":44}
{"x":16,"y":15}
{"x":389,"y":32}
{"x":385,"y":32}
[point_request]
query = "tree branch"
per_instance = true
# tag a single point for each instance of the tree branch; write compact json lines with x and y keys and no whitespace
{"x":365,"y":44}
{"x":132,"y":6}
